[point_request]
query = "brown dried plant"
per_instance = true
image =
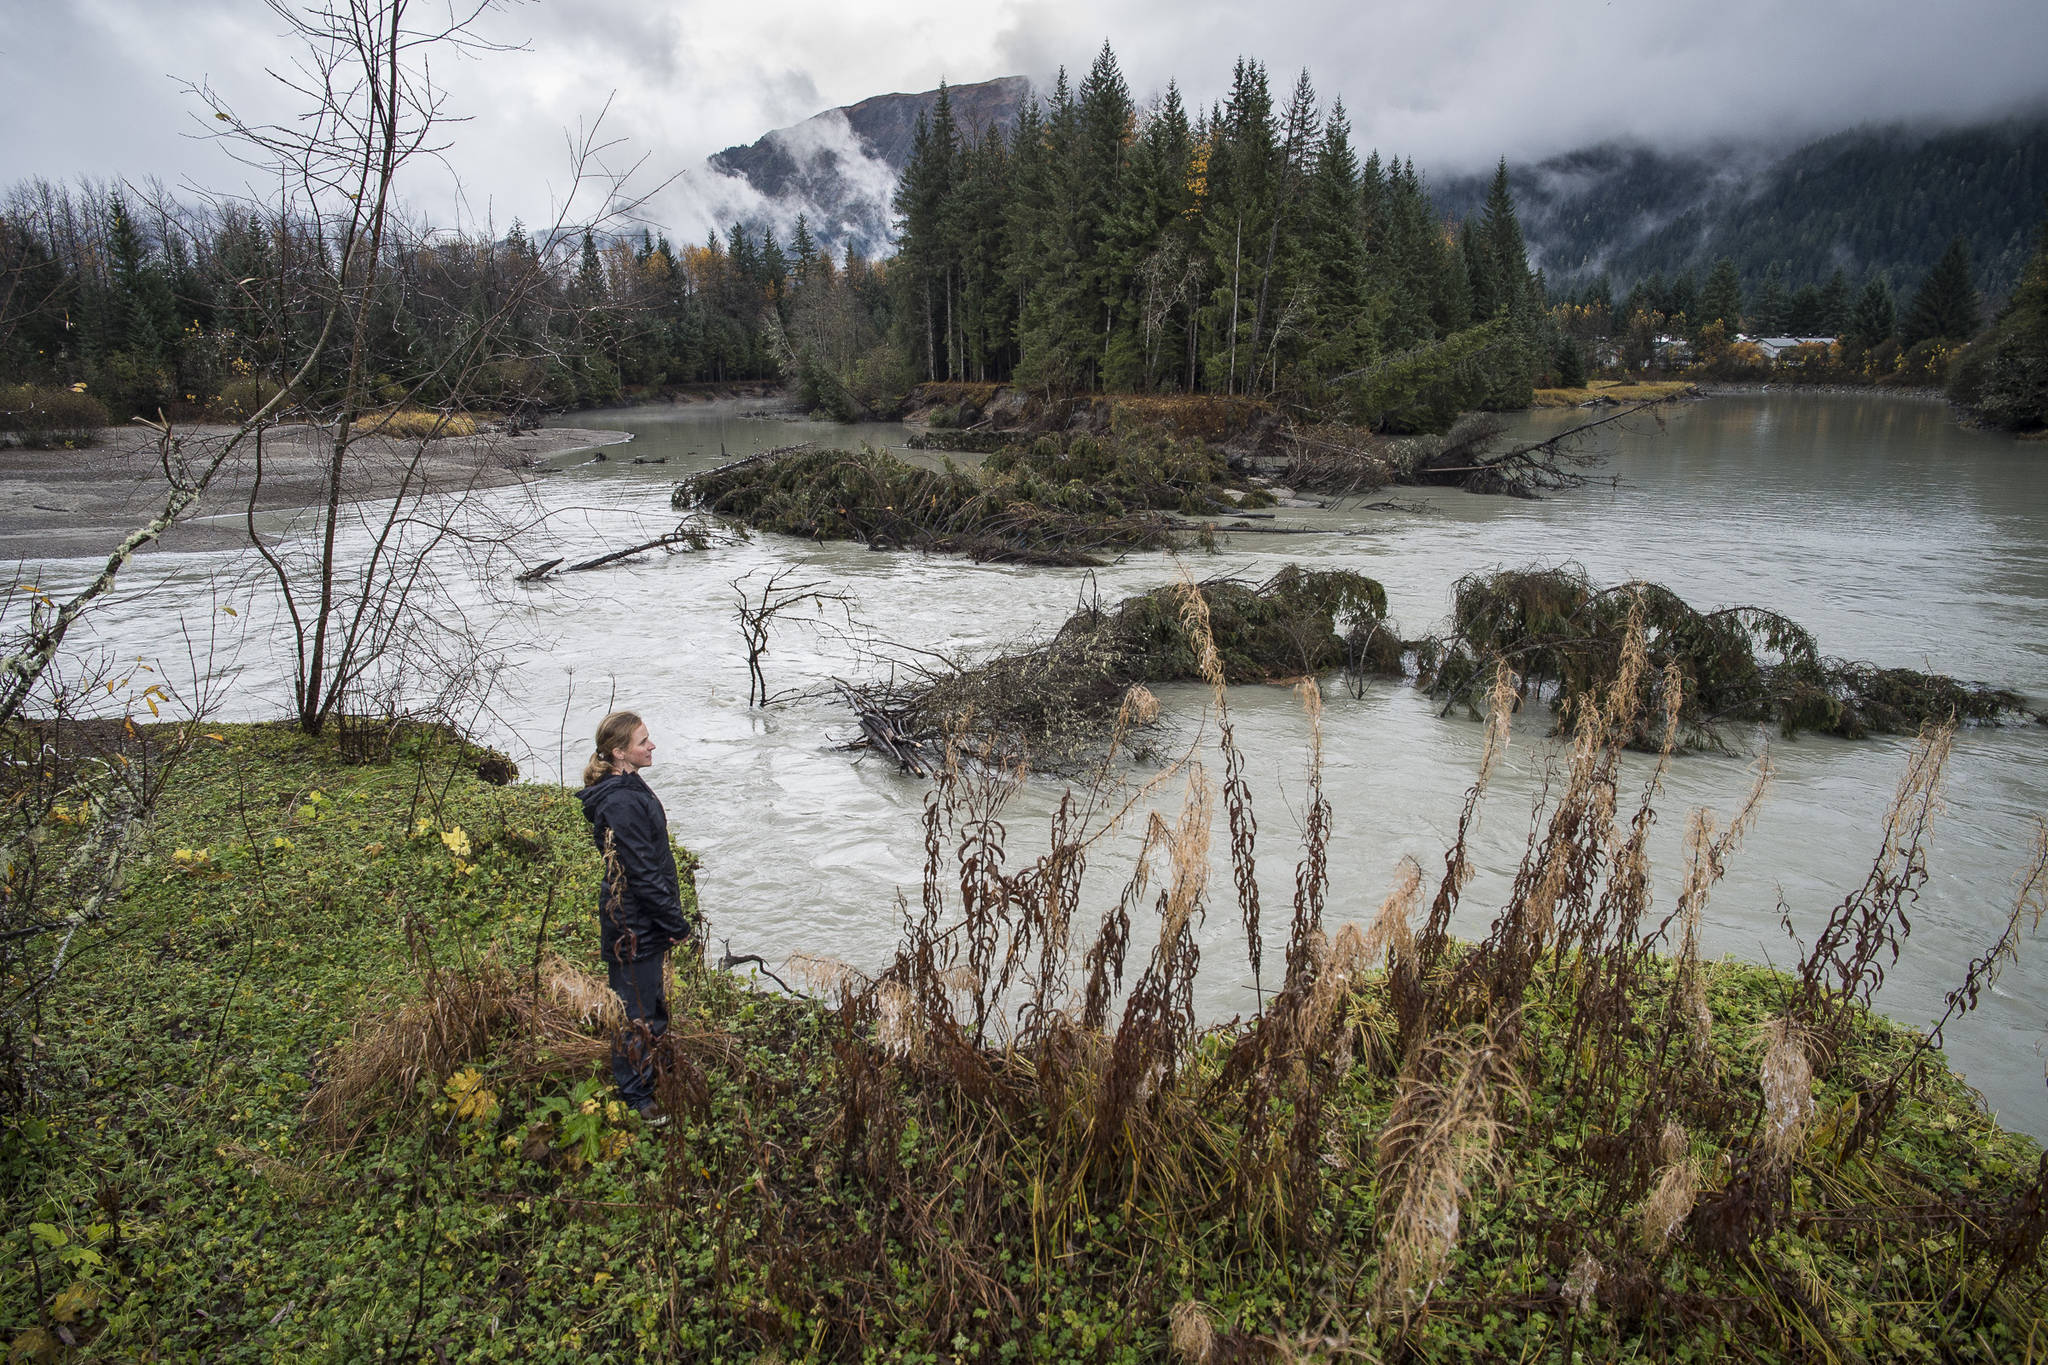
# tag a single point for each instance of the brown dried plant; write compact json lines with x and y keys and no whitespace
{"x":1843,"y":970}
{"x":2029,"y":905}
{"x":1786,"y":1076}
{"x":1446,"y":1133}
{"x":1706,"y":862}
{"x":1190,"y":1331}
{"x":452,"y":1021}
{"x":1671,"y":1198}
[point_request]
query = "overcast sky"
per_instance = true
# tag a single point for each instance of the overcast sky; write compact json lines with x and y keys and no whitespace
{"x":93,"y":87}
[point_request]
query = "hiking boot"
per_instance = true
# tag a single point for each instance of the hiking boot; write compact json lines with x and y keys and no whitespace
{"x":652,"y":1115}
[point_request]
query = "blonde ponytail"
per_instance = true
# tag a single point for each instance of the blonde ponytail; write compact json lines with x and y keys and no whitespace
{"x":615,"y":731}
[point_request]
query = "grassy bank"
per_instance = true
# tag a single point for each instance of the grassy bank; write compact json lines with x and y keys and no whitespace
{"x":330,"y":1087}
{"x":1614,"y":391}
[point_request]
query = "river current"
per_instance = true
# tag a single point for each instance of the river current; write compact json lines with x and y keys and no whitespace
{"x":1892,"y":534}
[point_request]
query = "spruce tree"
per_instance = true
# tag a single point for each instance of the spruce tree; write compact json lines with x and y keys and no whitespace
{"x":1803,"y":311}
{"x":1510,"y":255}
{"x":1873,"y":319}
{"x":1721,"y":300}
{"x":1571,"y":365}
{"x":803,"y":251}
{"x":1834,"y":304}
{"x":1333,"y":241}
{"x":2004,"y":376}
{"x":1767,"y":311}
{"x":1482,"y":277}
{"x":1946,"y":306}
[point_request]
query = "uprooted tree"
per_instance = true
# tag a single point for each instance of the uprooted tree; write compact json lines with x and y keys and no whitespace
{"x":1558,"y":632}
{"x":1054,"y":703}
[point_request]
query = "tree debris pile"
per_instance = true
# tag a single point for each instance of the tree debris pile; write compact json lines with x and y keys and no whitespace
{"x":1336,"y":459}
{"x":1564,"y":637}
{"x":1059,"y":500}
{"x":1054,"y":703}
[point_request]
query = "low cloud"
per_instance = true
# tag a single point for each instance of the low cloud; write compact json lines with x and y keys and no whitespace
{"x":1454,"y":87}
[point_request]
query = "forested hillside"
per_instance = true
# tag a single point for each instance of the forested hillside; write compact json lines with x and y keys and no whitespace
{"x":1884,"y":201}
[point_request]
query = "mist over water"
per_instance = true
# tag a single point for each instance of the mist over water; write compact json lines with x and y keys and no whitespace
{"x":1889,"y":532}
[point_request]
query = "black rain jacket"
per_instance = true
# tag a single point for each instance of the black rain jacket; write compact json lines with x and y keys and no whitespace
{"x":640,"y":905}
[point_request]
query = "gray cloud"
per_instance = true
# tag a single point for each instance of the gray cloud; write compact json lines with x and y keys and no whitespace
{"x":89,"y":90}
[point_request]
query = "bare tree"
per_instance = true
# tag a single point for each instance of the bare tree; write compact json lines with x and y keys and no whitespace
{"x":360,"y":578}
{"x":758,"y":615}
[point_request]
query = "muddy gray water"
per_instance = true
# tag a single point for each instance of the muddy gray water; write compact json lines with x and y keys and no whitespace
{"x":1894,"y":535}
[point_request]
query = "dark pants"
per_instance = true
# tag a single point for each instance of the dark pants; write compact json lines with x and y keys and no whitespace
{"x":638,"y":986}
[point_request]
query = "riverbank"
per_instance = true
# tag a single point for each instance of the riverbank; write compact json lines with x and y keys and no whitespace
{"x":56,"y":504}
{"x":331,"y":1084}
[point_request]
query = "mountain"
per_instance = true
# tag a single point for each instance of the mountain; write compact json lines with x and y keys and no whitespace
{"x":1882,"y":200}
{"x":840,"y":168}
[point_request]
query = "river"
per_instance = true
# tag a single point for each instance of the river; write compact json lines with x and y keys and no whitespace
{"x":1894,"y":535}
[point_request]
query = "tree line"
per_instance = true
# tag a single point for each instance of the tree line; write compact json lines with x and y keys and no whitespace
{"x":155,"y":303}
{"x":1240,"y":250}
{"x":1244,"y":250}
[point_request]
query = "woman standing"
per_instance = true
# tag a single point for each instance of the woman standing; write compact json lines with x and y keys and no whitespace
{"x":640,"y":905}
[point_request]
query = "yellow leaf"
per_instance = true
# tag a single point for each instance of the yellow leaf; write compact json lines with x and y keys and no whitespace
{"x":231,"y":611}
{"x":78,"y":1297}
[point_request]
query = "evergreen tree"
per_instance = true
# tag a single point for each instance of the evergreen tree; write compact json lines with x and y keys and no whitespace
{"x":143,"y":318}
{"x":1571,"y":365}
{"x":1244,"y":151}
{"x":590,"y":272}
{"x":1767,"y":312}
{"x":1802,"y":312}
{"x":1339,"y":334}
{"x":2004,"y":377}
{"x":1946,"y":306}
{"x":1504,"y":240}
{"x":1873,"y":319}
{"x":1721,"y":300}
{"x":1106,"y":121}
{"x":1682,"y":299}
{"x":803,"y":251}
{"x":1833,"y":314}
{"x":924,"y":258}
{"x":1482,"y":276}
{"x":1056,"y":345}
{"x":975,"y":222}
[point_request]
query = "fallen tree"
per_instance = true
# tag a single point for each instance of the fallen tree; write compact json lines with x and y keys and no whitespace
{"x":1054,"y":703}
{"x":1564,"y":638}
{"x":1337,"y":460}
{"x":1062,"y":500}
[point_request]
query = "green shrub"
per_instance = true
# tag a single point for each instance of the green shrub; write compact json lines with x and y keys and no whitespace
{"x":245,"y":397}
{"x":51,"y":419}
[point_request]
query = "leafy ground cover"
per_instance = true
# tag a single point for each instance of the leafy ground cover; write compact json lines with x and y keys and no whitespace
{"x":331,"y":1086}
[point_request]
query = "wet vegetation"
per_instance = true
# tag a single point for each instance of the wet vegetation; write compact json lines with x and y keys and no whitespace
{"x":348,"y":1001}
{"x":1566,"y":639}
{"x":1053,"y":704}
{"x":1059,"y":500}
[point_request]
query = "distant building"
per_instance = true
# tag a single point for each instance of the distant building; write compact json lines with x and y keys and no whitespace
{"x":1673,"y":350}
{"x":1773,"y":347}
